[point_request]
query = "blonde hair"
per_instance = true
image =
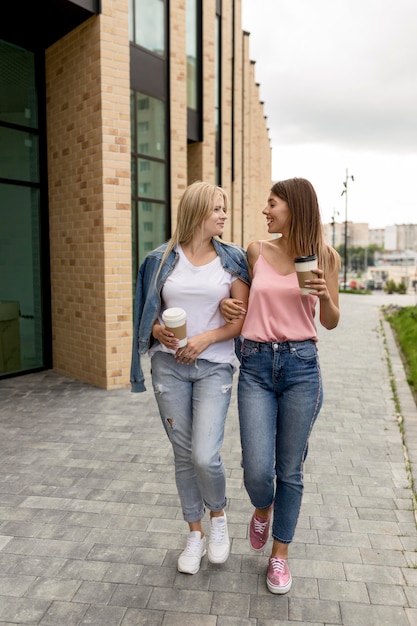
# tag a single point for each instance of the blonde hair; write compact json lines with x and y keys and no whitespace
{"x":195,"y":206}
{"x":306,"y":235}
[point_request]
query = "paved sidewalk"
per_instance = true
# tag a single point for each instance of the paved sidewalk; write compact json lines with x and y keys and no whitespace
{"x":91,"y":529}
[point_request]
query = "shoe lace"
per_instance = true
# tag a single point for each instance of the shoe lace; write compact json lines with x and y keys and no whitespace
{"x":192,"y":547}
{"x":217,"y":533}
{"x":278,"y":565}
{"x":260,"y":526}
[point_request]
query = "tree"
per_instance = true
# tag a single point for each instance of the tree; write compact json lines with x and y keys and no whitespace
{"x":359,"y":258}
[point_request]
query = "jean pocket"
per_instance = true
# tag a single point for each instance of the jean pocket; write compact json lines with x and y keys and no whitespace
{"x":306,"y":351}
{"x":247,"y":350}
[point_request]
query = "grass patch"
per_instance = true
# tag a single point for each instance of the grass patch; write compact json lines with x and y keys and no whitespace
{"x":403,"y":320}
{"x":360,"y":292}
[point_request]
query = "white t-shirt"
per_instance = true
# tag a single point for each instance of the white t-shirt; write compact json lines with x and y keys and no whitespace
{"x":198,"y":290}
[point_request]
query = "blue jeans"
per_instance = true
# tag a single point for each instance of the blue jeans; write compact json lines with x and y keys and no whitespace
{"x":193,"y":401}
{"x":279,"y":397}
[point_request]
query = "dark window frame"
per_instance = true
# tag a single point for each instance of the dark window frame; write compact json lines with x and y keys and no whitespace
{"x":218,"y":147}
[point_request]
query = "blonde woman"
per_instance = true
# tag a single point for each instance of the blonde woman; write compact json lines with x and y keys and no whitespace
{"x":194,"y":270}
{"x":280,"y":387}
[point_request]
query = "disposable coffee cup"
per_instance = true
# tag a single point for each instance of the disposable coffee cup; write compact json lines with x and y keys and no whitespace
{"x":175,"y":321}
{"x":303,"y":267}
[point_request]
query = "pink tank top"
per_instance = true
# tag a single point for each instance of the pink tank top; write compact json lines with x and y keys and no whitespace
{"x":276,"y":310}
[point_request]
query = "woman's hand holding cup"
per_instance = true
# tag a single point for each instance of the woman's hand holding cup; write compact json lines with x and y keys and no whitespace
{"x":162,"y":334}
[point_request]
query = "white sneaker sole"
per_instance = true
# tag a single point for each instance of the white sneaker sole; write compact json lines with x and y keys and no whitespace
{"x":220,"y":558}
{"x":189,"y":570}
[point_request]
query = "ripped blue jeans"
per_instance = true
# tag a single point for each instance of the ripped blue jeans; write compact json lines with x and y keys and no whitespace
{"x":193,"y":401}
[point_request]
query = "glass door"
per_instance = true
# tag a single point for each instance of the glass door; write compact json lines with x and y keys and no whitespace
{"x":21,"y":254}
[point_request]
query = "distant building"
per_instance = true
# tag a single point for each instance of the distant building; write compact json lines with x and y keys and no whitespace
{"x":396,"y":237}
{"x":398,"y":242}
{"x":377,"y":237}
{"x":401,"y":237}
{"x":390,"y":238}
{"x":357,"y":234}
{"x":401,"y":267}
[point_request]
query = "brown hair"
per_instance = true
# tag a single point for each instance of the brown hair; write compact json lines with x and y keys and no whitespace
{"x":306,"y":234}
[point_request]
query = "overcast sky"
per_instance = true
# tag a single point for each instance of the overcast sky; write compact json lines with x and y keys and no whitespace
{"x":339,"y":82}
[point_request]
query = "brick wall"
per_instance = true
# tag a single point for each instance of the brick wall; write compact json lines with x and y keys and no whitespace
{"x":88,"y":129}
{"x":178,"y":96}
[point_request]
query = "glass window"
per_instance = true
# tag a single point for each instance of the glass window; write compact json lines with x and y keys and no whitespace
{"x":150,"y":25}
{"x":151,"y":179}
{"x":150,"y":122}
{"x":18,"y":155}
{"x":143,"y":103}
{"x":151,"y":221}
{"x":191,"y":45}
{"x":18,"y":103}
{"x":21,"y":251}
{"x":21,"y":340}
{"x":144,"y":188}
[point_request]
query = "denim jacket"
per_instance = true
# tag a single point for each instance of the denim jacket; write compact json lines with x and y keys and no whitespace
{"x":148,"y":297}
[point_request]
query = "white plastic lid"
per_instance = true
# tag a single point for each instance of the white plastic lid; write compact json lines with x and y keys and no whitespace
{"x":174,"y":315}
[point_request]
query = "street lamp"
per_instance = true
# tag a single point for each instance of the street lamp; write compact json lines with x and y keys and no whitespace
{"x":334,"y":227}
{"x":345,"y":191}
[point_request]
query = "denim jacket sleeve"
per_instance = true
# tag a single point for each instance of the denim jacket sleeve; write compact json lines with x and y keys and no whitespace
{"x":147,"y":307}
{"x":137,"y":378}
{"x":147,"y":304}
{"x":233,"y":259}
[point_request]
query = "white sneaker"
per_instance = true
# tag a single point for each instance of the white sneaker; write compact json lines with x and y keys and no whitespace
{"x":219,"y":542}
{"x":190,"y":559}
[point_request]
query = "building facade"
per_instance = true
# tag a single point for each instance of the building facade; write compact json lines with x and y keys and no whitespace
{"x":401,"y":237}
{"x":357,"y":234}
{"x":107,"y":113}
{"x":395,"y":237}
{"x":377,"y":237}
{"x":400,"y":267}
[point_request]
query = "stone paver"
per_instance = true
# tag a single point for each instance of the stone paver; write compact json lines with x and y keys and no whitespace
{"x":91,"y":528}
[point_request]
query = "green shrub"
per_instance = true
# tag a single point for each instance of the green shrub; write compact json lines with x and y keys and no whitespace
{"x":392,"y":287}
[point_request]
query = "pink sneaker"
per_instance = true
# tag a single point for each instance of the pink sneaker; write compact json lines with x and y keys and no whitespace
{"x":278,"y":578}
{"x":258,"y":532}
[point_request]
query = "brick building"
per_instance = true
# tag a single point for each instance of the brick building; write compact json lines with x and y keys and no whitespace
{"x":107,"y":112}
